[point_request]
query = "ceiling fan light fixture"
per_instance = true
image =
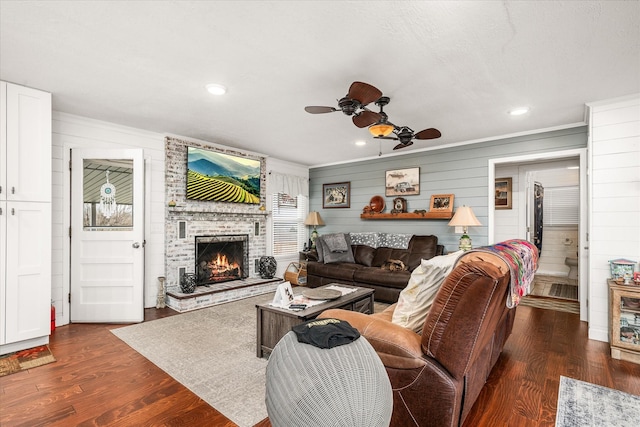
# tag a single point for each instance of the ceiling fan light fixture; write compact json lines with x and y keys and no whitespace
{"x":380,"y":129}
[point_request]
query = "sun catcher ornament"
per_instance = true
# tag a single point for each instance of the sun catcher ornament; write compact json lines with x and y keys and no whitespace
{"x":108,"y":198}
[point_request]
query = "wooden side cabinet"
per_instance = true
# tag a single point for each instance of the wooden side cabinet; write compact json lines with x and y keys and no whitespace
{"x":625,"y":321}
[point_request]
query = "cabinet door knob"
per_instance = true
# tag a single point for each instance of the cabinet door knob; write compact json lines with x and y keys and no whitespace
{"x":13,"y":211}
{"x":13,"y":190}
{"x":136,"y":245}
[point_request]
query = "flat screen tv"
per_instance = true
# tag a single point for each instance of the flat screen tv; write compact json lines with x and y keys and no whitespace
{"x":221,"y":177}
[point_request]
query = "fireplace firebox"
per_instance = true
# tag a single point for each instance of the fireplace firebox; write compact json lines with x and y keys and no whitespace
{"x":221,"y":258}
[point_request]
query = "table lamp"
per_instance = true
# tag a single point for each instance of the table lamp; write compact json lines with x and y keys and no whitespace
{"x":314,"y":219}
{"x":464,"y":218}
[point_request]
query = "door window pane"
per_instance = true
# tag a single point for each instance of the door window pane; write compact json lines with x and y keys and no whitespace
{"x":107,"y":194}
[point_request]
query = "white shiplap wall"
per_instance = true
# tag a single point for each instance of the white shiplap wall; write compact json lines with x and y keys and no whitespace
{"x":614,"y":150}
{"x":70,"y":132}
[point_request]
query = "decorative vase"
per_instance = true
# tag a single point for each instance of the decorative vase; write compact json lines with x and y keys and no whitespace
{"x":267,"y":267}
{"x":188,"y":283}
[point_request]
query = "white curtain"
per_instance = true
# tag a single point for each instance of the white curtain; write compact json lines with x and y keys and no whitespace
{"x":289,"y":184}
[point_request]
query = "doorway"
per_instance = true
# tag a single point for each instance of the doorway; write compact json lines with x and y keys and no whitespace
{"x":559,"y":238}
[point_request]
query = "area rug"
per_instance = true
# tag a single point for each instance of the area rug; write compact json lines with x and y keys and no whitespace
{"x":25,"y":359}
{"x":562,"y":290}
{"x":582,"y":404}
{"x":212,"y":352}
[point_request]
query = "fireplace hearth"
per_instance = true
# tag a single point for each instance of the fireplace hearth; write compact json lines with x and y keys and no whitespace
{"x":221,"y":258}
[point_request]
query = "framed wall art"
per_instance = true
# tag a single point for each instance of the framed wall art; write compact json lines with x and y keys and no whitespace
{"x":503,"y":193}
{"x":402,"y":182}
{"x":441,"y":203}
{"x":336,"y":195}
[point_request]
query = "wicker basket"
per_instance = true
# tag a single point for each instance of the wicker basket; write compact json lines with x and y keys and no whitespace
{"x":296,"y":274}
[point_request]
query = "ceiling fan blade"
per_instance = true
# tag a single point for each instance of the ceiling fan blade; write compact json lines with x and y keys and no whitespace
{"x":364,"y":93}
{"x":319,"y":110}
{"x":430,"y":133}
{"x":401,"y":145}
{"x":365,"y":118}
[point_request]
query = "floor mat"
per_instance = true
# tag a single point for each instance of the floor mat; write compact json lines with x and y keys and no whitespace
{"x":562,"y":290}
{"x":25,"y":359}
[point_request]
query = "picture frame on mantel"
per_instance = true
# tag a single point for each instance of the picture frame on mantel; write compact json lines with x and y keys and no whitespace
{"x":503,"y":193}
{"x":441,"y":203}
{"x":336,"y":195}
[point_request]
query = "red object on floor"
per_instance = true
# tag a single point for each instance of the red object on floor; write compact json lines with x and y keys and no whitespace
{"x":53,"y":317}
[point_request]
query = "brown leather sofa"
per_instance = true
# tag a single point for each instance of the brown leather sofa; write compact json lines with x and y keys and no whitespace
{"x":367,"y":269}
{"x":437,"y":376}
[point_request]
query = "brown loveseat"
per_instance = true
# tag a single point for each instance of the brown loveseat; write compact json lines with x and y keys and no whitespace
{"x":365,"y":268}
{"x":437,"y":376}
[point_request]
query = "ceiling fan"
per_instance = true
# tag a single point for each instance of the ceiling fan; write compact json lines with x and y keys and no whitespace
{"x":355,"y":104}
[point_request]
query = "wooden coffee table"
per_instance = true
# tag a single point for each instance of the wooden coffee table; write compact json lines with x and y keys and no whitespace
{"x":274,"y":323}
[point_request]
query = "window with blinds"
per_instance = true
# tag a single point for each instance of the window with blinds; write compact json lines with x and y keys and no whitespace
{"x":561,"y":205}
{"x":287,"y":219}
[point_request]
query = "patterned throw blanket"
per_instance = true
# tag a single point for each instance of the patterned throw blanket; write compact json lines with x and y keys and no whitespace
{"x":522,"y":258}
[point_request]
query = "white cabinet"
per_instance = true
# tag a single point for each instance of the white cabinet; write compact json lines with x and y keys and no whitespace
{"x":25,"y":217}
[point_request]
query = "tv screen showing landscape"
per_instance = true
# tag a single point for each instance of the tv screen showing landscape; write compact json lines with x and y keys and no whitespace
{"x":219,"y":177}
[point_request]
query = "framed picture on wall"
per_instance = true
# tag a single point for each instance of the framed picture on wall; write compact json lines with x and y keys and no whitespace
{"x":503,"y":193}
{"x":402,"y":182}
{"x":336,"y":195}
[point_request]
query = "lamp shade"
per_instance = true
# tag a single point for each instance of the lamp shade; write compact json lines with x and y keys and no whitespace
{"x":314,"y":219}
{"x":464,"y":217}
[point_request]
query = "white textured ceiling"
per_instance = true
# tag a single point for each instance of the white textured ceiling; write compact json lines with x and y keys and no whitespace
{"x":455,"y":66}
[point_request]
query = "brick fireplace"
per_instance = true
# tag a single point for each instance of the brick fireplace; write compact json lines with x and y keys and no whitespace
{"x":190,"y":219}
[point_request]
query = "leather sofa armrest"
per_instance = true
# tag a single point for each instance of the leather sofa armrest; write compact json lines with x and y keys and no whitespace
{"x":397,"y":347}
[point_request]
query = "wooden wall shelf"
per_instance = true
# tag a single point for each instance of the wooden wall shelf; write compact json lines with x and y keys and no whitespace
{"x":408,"y":215}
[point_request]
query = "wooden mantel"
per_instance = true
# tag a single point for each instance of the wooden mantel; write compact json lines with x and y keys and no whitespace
{"x":408,"y":215}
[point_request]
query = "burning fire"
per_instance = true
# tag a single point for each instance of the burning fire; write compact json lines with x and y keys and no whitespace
{"x":220,"y":265}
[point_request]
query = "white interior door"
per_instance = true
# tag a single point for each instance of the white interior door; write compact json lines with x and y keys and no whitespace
{"x":107,"y":236}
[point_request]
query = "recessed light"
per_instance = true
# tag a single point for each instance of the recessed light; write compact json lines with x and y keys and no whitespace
{"x":216,"y":89}
{"x":519,"y":111}
{"x":361,"y":142}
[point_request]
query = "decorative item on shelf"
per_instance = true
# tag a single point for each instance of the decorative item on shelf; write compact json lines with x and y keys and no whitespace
{"x":314,"y":219}
{"x":622,"y":268}
{"x":172,"y":203}
{"x":464,"y":217}
{"x":188,"y":283}
{"x":376,"y":204}
{"x":399,"y":205}
{"x":441,"y":203}
{"x":267,"y":267}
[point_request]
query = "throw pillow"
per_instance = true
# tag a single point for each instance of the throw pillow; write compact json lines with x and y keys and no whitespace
{"x":416,"y":299}
{"x":329,"y":256}
{"x":363,"y":254}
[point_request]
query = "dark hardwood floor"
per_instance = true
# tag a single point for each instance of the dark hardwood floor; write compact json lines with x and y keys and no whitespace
{"x":100,"y":381}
